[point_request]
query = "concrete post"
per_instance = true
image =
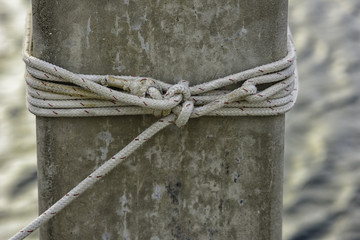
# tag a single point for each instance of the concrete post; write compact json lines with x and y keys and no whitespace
{"x":215,"y":178}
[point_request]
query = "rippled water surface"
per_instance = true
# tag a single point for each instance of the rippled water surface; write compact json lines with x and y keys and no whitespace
{"x":322,"y":167}
{"x":322,"y":174}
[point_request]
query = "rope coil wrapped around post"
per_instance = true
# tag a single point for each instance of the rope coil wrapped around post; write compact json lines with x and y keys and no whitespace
{"x":56,"y":92}
{"x":266,"y":90}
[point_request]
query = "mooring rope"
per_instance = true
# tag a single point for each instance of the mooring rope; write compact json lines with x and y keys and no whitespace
{"x":56,"y":92}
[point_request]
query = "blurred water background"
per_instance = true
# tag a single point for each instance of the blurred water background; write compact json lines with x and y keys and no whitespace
{"x":322,"y":156}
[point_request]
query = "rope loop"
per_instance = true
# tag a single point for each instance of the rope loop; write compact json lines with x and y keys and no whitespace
{"x":181,"y":88}
{"x":185,"y":113}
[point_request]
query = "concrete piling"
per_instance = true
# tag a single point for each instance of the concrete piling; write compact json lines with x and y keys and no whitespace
{"x":216,"y":177}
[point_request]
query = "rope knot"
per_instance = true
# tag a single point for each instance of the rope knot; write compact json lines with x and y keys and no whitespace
{"x":184,"y":113}
{"x":181,"y":88}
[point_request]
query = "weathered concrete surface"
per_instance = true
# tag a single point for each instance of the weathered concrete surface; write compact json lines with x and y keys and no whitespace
{"x":216,"y":178}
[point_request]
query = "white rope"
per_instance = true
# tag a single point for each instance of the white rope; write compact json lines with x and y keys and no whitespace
{"x":54,"y":92}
